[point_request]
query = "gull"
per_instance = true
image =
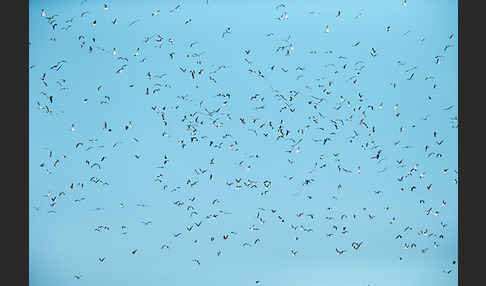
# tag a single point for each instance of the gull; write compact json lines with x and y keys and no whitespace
{"x":174,"y":9}
{"x":339,"y":252}
{"x":132,"y":23}
{"x":373,"y":52}
{"x":356,"y":245}
{"x":227,"y":31}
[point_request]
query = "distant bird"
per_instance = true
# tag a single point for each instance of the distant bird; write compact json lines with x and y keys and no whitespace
{"x":174,"y":9}
{"x":356,"y":245}
{"x":339,"y":252}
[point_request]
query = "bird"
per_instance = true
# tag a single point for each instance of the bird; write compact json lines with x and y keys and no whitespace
{"x":339,"y":252}
{"x":356,"y":245}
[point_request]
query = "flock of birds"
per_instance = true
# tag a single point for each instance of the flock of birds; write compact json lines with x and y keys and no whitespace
{"x":312,"y":115}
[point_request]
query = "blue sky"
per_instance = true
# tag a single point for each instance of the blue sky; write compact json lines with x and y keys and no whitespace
{"x":63,"y":241}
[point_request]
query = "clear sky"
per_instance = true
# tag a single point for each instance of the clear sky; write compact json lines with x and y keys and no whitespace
{"x":381,"y":79}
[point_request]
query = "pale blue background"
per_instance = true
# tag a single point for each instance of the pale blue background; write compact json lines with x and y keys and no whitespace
{"x":64,"y":244}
